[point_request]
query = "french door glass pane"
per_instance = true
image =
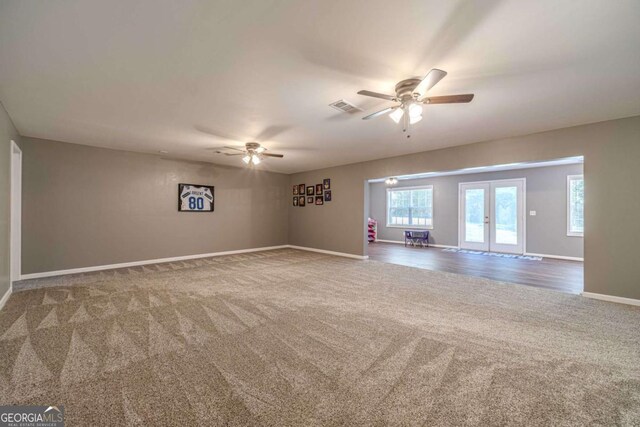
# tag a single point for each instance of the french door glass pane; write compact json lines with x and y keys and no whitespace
{"x":474,"y":215}
{"x":506,"y":215}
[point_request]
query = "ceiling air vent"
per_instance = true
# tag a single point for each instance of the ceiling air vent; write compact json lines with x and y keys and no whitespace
{"x":344,"y":106}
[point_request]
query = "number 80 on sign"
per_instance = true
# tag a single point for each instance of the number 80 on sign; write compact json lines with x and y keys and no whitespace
{"x":195,"y":198}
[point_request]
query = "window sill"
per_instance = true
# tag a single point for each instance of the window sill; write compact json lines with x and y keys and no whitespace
{"x":575,"y":234}
{"x":411,"y":227}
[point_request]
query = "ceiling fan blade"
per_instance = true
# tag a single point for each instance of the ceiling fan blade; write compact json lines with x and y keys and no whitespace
{"x":227,"y":154}
{"x":273,"y":155}
{"x":430,"y":80}
{"x":379,"y":113}
{"x":377,"y":95}
{"x":448,"y":99}
{"x":234,"y":148}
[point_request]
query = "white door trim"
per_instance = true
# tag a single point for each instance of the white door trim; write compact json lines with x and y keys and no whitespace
{"x":15,"y":233}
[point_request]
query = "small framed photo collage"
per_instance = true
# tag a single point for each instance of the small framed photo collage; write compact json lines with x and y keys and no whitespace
{"x":317,"y":194}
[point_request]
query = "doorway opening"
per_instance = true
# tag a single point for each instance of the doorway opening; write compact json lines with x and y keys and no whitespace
{"x":519,"y":222}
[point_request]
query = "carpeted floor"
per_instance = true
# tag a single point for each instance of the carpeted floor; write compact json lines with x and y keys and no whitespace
{"x":297,"y":338}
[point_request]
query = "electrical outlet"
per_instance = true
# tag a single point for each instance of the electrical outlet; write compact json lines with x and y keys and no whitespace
{"x":532,"y":213}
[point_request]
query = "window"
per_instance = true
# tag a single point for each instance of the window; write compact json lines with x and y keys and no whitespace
{"x":575,"y":205}
{"x":410,"y":207}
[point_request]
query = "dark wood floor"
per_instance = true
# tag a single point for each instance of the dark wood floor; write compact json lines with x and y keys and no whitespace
{"x":566,"y":276}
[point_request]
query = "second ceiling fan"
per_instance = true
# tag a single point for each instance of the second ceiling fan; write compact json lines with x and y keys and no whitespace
{"x":410,"y":94}
{"x":253,"y":153}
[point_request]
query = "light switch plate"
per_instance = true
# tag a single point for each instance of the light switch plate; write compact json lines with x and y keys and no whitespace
{"x":532,"y":213}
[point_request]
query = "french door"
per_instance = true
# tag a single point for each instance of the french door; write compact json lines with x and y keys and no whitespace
{"x":492,"y":216}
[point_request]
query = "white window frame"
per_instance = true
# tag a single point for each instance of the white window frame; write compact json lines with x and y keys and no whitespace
{"x":409,"y":226}
{"x":569,"y":232}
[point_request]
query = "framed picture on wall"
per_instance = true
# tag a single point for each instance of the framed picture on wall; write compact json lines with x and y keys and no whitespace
{"x":318,"y":189}
{"x":295,"y":190}
{"x":327,"y":196}
{"x":301,"y":189}
{"x":319,"y":200}
{"x":310,"y":190}
{"x":310,"y":200}
{"x":295,"y":201}
{"x":301,"y":201}
{"x":195,"y":198}
{"x":326,"y":183}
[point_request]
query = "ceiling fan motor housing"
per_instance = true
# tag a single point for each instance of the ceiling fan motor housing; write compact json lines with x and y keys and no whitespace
{"x":405,"y":88}
{"x":252,"y":146}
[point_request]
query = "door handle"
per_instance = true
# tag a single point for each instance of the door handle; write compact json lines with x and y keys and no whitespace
{"x":486,"y":220}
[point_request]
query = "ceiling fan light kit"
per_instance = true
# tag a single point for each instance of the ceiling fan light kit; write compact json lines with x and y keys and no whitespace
{"x":408,"y":94}
{"x":415,"y":111}
{"x":391,"y":180}
{"x":414,"y":120}
{"x":397,"y":115}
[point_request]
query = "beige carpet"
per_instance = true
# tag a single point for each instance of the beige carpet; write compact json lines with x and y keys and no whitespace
{"x":297,"y":338}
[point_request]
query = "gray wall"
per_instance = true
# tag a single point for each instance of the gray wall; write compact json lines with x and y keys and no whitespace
{"x":546,"y":193}
{"x":86,"y":206}
{"x":7,"y":133}
{"x":611,"y":150}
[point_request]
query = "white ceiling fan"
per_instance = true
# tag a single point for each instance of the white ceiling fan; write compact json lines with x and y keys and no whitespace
{"x":409,"y":94}
{"x":253,"y":153}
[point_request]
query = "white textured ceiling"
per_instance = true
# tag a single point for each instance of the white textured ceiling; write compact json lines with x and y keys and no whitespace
{"x":187,"y":76}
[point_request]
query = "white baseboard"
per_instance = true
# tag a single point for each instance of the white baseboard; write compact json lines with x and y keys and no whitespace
{"x":611,"y":298}
{"x":431,"y":245}
{"x":5,"y":297}
{"x":434,"y":245}
{"x":323,"y":251}
{"x":7,"y":294}
{"x":146,"y":262}
{"x":178,"y":258}
{"x":567,"y":258}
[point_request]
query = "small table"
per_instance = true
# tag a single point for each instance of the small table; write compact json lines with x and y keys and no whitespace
{"x":415,"y":237}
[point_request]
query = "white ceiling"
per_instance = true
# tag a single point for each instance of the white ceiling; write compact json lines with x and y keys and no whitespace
{"x":187,"y":76}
